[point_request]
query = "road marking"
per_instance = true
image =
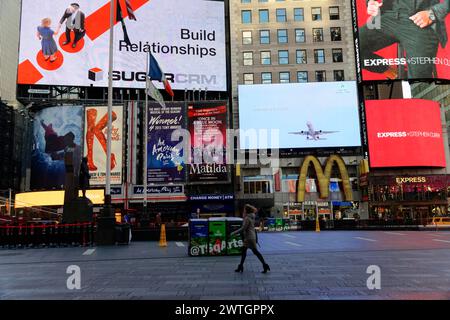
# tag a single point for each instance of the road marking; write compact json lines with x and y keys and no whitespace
{"x":290,"y":236}
{"x":179,"y":244}
{"x":395,"y":233}
{"x":366,"y":239}
{"x":447,"y":241}
{"x":88,"y":252}
{"x":293,"y":243}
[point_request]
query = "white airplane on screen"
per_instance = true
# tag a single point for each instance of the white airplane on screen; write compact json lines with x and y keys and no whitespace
{"x":312,"y":134}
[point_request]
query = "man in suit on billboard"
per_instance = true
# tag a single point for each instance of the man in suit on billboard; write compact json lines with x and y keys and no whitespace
{"x":417,"y":25}
{"x":74,"y":18}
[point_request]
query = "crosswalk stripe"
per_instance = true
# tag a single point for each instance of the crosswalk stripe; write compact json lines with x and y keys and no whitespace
{"x":88,"y":252}
{"x":289,"y":236}
{"x":395,"y":233}
{"x":293,"y":243}
{"x":179,"y":244}
{"x":366,"y":239}
{"x":440,"y":240}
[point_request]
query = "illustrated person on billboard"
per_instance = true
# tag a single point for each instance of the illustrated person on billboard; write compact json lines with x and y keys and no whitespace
{"x":45,"y":34}
{"x":418,"y":26}
{"x":75,"y":22}
{"x":250,"y":238}
{"x":53,"y":142}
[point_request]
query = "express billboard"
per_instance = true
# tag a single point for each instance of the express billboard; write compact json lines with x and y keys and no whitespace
{"x":402,"y":39}
{"x":54,"y":129}
{"x":187,"y":37}
{"x":404,"y":133}
{"x":95,"y":138}
{"x":299,"y":115}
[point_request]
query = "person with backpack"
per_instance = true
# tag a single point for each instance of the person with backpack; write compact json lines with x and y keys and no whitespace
{"x":250,"y":238}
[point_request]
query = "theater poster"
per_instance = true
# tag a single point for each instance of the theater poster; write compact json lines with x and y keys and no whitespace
{"x":95,"y":135}
{"x":207,"y":126}
{"x":399,"y":40}
{"x":54,"y":129}
{"x":165,"y":158}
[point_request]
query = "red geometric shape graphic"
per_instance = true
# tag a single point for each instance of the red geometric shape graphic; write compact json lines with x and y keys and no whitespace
{"x":97,"y":23}
{"x":27,"y":73}
{"x":47,"y":64}
{"x":68,"y":47}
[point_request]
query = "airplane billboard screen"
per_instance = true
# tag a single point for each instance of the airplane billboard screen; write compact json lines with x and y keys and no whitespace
{"x":404,"y":133}
{"x":302,"y":115}
{"x":186,"y":37}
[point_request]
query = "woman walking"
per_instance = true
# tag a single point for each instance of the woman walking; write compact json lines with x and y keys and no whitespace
{"x":45,"y":34}
{"x":249,"y":237}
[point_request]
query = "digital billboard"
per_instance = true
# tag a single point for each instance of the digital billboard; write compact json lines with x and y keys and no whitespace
{"x":299,"y":115}
{"x":207,"y":127}
{"x":54,"y":129}
{"x":402,"y":40}
{"x":165,"y":159}
{"x":187,"y":38}
{"x":95,"y":138}
{"x":404,"y":133}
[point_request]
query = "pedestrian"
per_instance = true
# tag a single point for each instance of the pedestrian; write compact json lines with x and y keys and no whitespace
{"x":158,"y":220}
{"x":249,"y":237}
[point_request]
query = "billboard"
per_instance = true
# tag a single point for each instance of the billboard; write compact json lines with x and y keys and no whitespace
{"x":95,"y":135}
{"x":404,"y":133}
{"x":402,"y":41}
{"x":299,"y":115}
{"x":54,"y":128}
{"x":165,"y":160}
{"x":207,"y":127}
{"x":187,"y":37}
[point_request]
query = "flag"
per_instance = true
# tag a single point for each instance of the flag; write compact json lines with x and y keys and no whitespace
{"x":155,"y":73}
{"x":119,"y":17}
{"x":153,"y":92}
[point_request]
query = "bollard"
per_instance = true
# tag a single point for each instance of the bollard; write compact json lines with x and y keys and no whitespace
{"x":162,"y":237}
{"x":317,"y":225}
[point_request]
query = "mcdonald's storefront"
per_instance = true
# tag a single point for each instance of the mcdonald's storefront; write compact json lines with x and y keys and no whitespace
{"x":325,"y":187}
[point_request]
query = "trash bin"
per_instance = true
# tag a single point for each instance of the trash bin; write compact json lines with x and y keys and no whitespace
{"x":217,"y":236}
{"x":271,"y":224}
{"x":198,"y":237}
{"x":279,"y":224}
{"x":234,"y":243}
{"x":123,"y":233}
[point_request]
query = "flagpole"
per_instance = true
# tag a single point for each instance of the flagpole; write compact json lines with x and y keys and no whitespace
{"x":110,"y":103}
{"x":145,"y":174}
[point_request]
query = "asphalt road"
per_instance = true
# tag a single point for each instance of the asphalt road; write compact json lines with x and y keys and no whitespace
{"x":304,"y":265}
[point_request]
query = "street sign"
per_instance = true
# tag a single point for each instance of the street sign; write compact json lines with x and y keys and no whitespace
{"x":39,"y":91}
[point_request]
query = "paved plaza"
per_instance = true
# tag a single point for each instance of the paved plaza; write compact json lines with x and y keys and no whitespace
{"x":304,"y":265}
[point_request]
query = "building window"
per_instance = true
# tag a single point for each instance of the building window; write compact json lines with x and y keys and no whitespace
{"x":284,"y":77}
{"x":320,"y":76}
{"x":299,"y":14}
{"x":246,"y":16}
{"x":334,"y":13}
{"x":264,"y":36}
{"x":283,"y":57}
{"x":265,"y":57}
{"x":338,"y":75}
{"x":254,"y":187}
{"x":266,"y":77}
{"x":337,"y":55}
{"x":335,"y":34}
{"x":246,"y":37}
{"x":302,"y":76}
{"x":263,"y":0}
{"x":317,"y":34}
{"x":263,"y":16}
{"x":282,"y":36}
{"x":248,"y":58}
{"x":299,"y":35}
{"x":246,"y":1}
{"x":319,"y":56}
{"x":248,"y":78}
{"x":281,"y":15}
{"x":301,"y":56}
{"x":316,"y":14}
